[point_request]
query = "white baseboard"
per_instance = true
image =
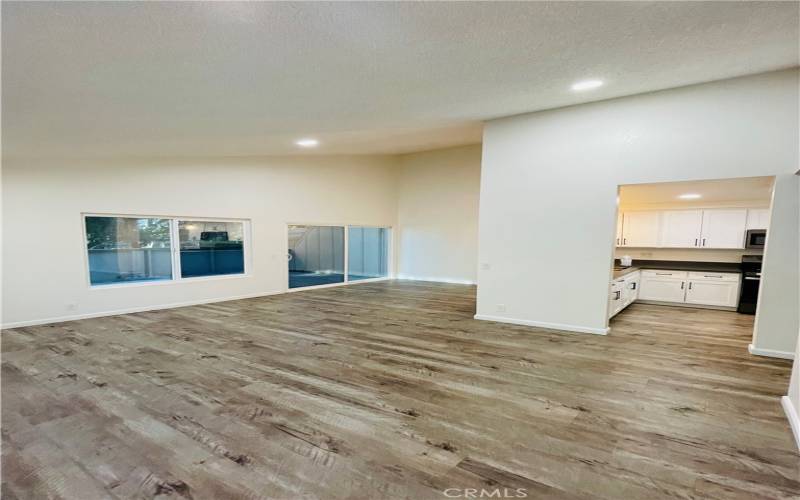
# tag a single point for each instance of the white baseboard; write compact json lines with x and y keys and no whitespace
{"x":770,"y":353}
{"x":794,"y":419}
{"x":74,"y":317}
{"x":542,"y":324}
{"x":435,"y":280}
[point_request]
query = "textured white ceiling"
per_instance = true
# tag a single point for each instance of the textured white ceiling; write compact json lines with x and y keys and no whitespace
{"x":756,"y":189}
{"x":245,"y":79}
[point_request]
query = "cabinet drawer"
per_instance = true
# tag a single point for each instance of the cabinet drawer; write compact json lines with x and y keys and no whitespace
{"x":658,"y":273}
{"x":709,"y":276}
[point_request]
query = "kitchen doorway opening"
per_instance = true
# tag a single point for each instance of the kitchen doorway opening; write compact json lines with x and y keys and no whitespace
{"x":680,"y":247}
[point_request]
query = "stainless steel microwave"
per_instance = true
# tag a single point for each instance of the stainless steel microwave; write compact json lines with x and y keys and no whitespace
{"x":756,"y":238}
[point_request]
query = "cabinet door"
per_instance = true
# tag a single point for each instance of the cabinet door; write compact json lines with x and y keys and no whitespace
{"x":641,"y":229}
{"x":664,"y":289}
{"x":713,"y":293}
{"x":619,"y":229}
{"x":635,"y":285}
{"x":614,"y":299}
{"x":757,"y":218}
{"x":631,"y":284}
{"x":723,"y":228}
{"x":681,"y":228}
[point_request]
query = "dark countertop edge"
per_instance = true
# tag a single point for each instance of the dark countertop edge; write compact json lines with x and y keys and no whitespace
{"x":670,"y":265}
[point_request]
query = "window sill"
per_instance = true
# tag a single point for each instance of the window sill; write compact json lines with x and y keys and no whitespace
{"x":175,"y":281}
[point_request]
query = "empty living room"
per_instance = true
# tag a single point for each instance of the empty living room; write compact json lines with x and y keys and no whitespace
{"x":400,"y":250}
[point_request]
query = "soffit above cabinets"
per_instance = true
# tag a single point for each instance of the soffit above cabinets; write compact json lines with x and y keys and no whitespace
{"x":742,"y":192}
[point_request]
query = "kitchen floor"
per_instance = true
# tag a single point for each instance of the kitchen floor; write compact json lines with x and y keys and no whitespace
{"x":391,"y":390}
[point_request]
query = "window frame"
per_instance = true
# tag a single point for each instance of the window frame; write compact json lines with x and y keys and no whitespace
{"x":347,"y":281}
{"x":174,"y":245}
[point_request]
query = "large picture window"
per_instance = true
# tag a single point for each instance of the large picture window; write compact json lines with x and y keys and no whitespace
{"x":127,"y":249}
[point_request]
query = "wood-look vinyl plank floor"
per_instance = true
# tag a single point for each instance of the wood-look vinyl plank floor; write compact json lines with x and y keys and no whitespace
{"x":391,"y":390}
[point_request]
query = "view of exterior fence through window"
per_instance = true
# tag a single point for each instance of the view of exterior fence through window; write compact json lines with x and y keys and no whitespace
{"x":123,"y":249}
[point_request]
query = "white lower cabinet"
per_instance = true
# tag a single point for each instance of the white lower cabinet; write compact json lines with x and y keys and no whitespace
{"x":615,"y":298}
{"x":630,"y":290}
{"x":663,"y":286}
{"x":623,"y":292}
{"x":713,"y":289}
{"x":697,"y":288}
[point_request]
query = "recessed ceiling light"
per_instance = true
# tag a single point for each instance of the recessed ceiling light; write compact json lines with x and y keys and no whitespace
{"x":690,"y":196}
{"x":587,"y":85}
{"x":307,"y":143}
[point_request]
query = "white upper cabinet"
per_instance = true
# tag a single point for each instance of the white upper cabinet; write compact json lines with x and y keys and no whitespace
{"x":723,"y":228}
{"x":641,"y":229}
{"x":693,"y":228}
{"x":757,"y":218}
{"x":681,"y":228}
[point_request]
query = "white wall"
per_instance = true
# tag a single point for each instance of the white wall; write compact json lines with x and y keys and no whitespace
{"x":791,"y":402}
{"x":777,"y":313}
{"x":438,"y":214}
{"x":44,"y":276}
{"x":556,"y":173}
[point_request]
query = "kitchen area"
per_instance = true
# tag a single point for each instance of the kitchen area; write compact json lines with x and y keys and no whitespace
{"x":690,"y":244}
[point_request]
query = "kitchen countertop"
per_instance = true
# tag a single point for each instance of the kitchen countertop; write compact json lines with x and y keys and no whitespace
{"x":671,"y":265}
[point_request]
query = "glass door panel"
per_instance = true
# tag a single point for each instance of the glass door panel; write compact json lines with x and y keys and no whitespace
{"x":367,"y":253}
{"x":316,"y":255}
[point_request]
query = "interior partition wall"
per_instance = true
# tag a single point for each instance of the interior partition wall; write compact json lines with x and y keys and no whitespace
{"x":328,"y":255}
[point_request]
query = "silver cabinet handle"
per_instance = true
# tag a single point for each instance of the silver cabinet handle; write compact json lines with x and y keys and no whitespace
{"x":712,"y":276}
{"x":695,"y":242}
{"x":704,"y":242}
{"x":682,"y":283}
{"x":752,"y":278}
{"x":690,"y":285}
{"x":624,"y":241}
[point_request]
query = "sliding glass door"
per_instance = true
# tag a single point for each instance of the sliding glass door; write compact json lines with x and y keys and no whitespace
{"x":317,"y":254}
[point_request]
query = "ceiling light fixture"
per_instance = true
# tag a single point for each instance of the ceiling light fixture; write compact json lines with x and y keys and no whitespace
{"x":690,"y":196}
{"x":307,"y":143}
{"x":587,"y":85}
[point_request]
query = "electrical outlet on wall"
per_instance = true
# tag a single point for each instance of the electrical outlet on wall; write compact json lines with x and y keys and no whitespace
{"x":485,"y":266}
{"x":71,"y":306}
{"x":501,"y":308}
